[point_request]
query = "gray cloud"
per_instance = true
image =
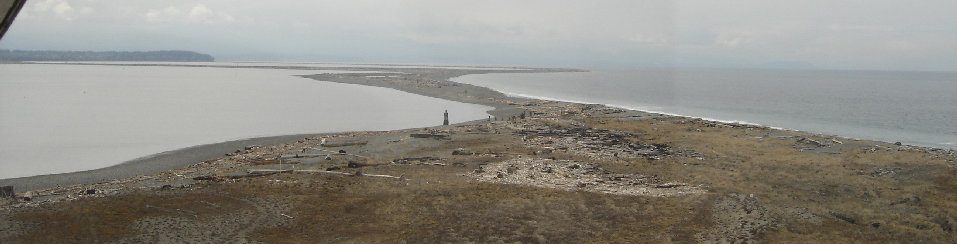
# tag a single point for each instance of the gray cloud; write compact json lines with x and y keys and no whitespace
{"x":829,"y":34}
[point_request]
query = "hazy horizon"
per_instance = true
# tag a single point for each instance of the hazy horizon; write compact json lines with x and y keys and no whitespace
{"x":844,"y":35}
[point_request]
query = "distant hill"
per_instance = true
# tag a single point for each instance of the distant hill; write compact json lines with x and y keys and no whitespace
{"x":155,"y":56}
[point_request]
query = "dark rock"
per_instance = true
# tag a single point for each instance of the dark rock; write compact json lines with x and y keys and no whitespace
{"x":875,"y":224}
{"x":332,"y":168}
{"x":342,"y":151}
{"x":574,"y":166}
{"x":898,"y":143}
{"x":166,"y":187}
{"x":353,"y":165}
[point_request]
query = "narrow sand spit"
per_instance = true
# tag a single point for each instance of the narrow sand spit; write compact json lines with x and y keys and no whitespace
{"x":540,"y":171}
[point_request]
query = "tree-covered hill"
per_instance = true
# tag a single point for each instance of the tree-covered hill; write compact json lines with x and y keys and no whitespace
{"x":159,"y":56}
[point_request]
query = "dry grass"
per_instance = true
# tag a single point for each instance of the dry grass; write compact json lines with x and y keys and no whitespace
{"x":96,"y":220}
{"x":479,"y":212}
{"x":745,"y":161}
{"x":798,"y":197}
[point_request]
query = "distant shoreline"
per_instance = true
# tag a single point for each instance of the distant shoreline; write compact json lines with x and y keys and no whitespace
{"x":15,"y":56}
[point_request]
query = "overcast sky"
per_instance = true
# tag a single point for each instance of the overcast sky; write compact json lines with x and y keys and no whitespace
{"x":830,"y":34}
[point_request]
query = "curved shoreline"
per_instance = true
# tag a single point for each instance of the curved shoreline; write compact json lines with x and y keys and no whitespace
{"x":435,"y":83}
{"x":183,"y":157}
{"x":151,"y":164}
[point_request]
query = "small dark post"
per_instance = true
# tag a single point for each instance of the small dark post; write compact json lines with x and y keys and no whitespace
{"x":6,"y":191}
{"x":446,"y":118}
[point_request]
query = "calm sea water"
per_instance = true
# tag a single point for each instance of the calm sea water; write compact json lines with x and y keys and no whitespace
{"x":918,"y":108}
{"x":64,"y":118}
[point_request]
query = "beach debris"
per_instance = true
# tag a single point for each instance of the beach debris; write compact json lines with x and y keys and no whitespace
{"x":343,"y":142}
{"x":577,"y":175}
{"x":271,"y":161}
{"x":431,"y":136}
{"x":884,"y":172}
{"x":811,"y":142}
{"x":414,"y":159}
{"x":303,"y":155}
{"x":461,"y":151}
{"x":598,"y":144}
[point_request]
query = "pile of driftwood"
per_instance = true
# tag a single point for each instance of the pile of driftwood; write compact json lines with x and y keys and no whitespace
{"x":265,"y":172}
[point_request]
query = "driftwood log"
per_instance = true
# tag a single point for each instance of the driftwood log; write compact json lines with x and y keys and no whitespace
{"x":433,"y":136}
{"x":264,"y":172}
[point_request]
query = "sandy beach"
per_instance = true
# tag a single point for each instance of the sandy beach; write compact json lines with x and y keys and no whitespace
{"x":539,"y":171}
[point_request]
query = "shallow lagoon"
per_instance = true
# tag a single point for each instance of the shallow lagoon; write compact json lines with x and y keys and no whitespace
{"x":57,"y":118}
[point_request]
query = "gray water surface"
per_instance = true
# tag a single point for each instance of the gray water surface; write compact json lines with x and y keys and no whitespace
{"x":58,"y":118}
{"x":918,"y":108}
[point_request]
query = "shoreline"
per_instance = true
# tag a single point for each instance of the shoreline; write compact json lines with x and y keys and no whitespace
{"x":824,"y":134}
{"x":941,"y":145}
{"x":622,"y":175}
{"x":183,"y":157}
{"x":504,"y":105}
{"x":150,"y":164}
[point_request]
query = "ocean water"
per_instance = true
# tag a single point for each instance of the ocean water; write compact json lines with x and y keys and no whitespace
{"x":65,"y":118}
{"x":917,"y":108}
